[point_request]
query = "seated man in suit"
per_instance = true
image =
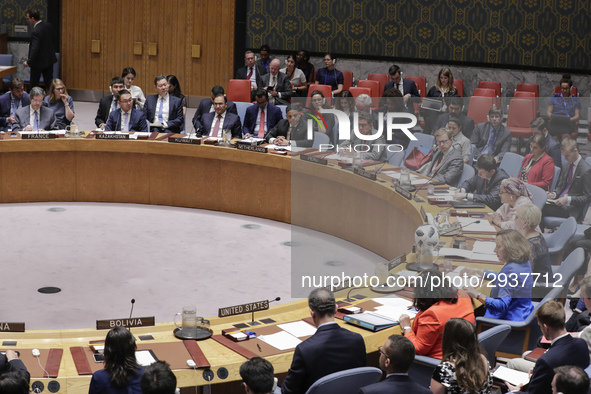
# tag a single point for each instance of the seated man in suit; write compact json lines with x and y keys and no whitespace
{"x":370,"y":149}
{"x":257,"y":376}
{"x":485,"y":186}
{"x":14,"y":383}
{"x":291,"y":131}
{"x":331,"y":349}
{"x":396,"y":357}
{"x":407,"y":87}
{"x":265,"y":57}
{"x":363,"y":104}
{"x":213,"y":123}
{"x":540,"y":126}
{"x":564,"y":350}
{"x":447,"y":163}
{"x":34,"y":117}
{"x":454,"y":109}
{"x":277,"y":84}
{"x":206,"y":105}
{"x":158,"y":378}
{"x":108,"y":103}
{"x":252,"y":72}
{"x":9,"y":362}
{"x":163,"y":110}
{"x":492,"y":137}
{"x":573,"y":189}
{"x":11,"y":101}
{"x":127,"y":118}
{"x":260,"y":117}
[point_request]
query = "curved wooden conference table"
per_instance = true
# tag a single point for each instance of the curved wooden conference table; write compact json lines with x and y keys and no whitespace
{"x":270,"y":186}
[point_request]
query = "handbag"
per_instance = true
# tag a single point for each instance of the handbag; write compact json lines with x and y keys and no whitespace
{"x":417,"y":158}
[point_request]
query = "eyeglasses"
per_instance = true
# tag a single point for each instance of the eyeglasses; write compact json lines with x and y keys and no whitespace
{"x":363,"y":124}
{"x":61,"y":88}
{"x":441,"y":142}
{"x":218,"y":104}
{"x":381,"y":350}
{"x":37,"y":100}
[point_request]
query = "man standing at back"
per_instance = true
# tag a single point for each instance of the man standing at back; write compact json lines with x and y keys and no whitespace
{"x":41,"y":50}
{"x":331,"y":349}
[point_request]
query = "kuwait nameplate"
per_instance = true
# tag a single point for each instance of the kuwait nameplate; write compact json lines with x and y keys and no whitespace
{"x":181,"y":140}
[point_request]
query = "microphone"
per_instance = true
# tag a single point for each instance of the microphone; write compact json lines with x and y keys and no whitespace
{"x":461,"y":227}
{"x":276,"y":299}
{"x":132,"y":302}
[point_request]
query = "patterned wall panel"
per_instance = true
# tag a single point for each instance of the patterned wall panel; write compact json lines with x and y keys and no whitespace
{"x":552,"y":34}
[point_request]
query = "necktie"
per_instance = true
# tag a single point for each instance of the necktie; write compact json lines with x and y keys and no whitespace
{"x":160,"y":110}
{"x":126,"y":122}
{"x":216,"y":127}
{"x":36,"y":122}
{"x":289,"y":132}
{"x":249,"y":74}
{"x":114,"y":106}
{"x":569,"y":180}
{"x":262,"y":124}
{"x":485,"y":184}
{"x":274,"y":81}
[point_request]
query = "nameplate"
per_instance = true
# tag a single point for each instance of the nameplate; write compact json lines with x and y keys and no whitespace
{"x":12,"y":327}
{"x":181,"y":140}
{"x":365,"y":174}
{"x":396,"y":261}
{"x":314,"y":159}
{"x":244,"y":308}
{"x":251,"y":148}
{"x":38,"y":136}
{"x":112,"y":136}
{"x":125,"y":322}
{"x":403,"y":192}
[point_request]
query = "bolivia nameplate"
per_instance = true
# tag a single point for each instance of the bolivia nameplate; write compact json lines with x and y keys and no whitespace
{"x":251,"y":148}
{"x":125,"y":322}
{"x":244,"y":308}
{"x":314,"y":159}
{"x":365,"y":174}
{"x":12,"y":327}
{"x":181,"y":140}
{"x":38,"y":136}
{"x":403,"y":192}
{"x":112,"y":136}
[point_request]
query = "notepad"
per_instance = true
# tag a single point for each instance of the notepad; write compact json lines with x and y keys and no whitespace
{"x":281,"y":340}
{"x":145,"y":357}
{"x":298,"y":329}
{"x":512,"y":376}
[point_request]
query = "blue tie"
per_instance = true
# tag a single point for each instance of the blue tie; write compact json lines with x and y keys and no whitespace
{"x":114,"y":107}
{"x":36,"y":122}
{"x":160,"y":111}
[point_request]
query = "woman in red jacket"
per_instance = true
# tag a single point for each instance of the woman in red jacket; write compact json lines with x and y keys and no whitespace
{"x":537,"y":167}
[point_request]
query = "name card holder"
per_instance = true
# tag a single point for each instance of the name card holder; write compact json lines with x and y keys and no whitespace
{"x":38,"y":136}
{"x":12,"y":327}
{"x":314,"y":159}
{"x":250,"y":148}
{"x":244,"y":308}
{"x":366,"y":174}
{"x":112,"y":136}
{"x":403,"y":192}
{"x":126,"y":322}
{"x":181,"y":140}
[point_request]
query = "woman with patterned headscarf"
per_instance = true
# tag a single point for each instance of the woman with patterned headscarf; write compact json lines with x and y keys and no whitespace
{"x":513,"y":194}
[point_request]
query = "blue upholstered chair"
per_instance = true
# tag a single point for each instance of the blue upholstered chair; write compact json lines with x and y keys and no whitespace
{"x":539,"y":195}
{"x":241,"y":109}
{"x":320,"y":138}
{"x":346,"y":382}
{"x":467,"y":173}
{"x":558,"y":240}
{"x":511,"y":163}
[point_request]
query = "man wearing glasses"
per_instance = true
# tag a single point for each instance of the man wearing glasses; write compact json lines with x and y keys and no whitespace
{"x":370,"y":149}
{"x":213,"y":123}
{"x":11,"y":101}
{"x":34,"y":117}
{"x":447,"y":163}
{"x":126,"y":118}
{"x":396,"y":357}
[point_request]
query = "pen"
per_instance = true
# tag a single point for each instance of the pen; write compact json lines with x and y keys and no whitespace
{"x":259,"y":346}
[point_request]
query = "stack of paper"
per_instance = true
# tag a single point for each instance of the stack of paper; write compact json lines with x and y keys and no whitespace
{"x":298,"y":328}
{"x":469,"y":225}
{"x":281,"y":340}
{"x":512,"y":376}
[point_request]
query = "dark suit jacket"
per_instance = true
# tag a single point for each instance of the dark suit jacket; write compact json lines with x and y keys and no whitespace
{"x":272,"y":113}
{"x":467,"y":123}
{"x":409,"y":87}
{"x":565,"y":351}
{"x":101,"y":384}
{"x":175,"y":112}
{"x":102,"y":114}
{"x":242,"y":73}
{"x":395,"y":384}
{"x":552,"y":149}
{"x":13,"y":366}
{"x":136,"y":123}
{"x":5,"y":103}
{"x":283,"y":87}
{"x":231,"y":121}
{"x":331,"y":349}
{"x":46,"y":119}
{"x":42,"y":48}
{"x":205,"y":107}
{"x":480,"y":137}
{"x":580,"y":190}
{"x":489,"y":196}
{"x":299,"y":134}
{"x":450,"y":169}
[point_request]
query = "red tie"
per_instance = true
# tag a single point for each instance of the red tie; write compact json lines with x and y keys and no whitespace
{"x":216,"y":128}
{"x":262,"y":125}
{"x":485,"y":184}
{"x":249,"y":74}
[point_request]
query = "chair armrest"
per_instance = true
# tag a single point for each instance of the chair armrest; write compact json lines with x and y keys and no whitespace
{"x":497,"y":322}
{"x":429,"y":361}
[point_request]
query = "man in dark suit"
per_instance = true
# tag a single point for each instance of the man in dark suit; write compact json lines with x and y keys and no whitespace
{"x":127,"y":118}
{"x":41,"y":50}
{"x":109,"y":103}
{"x":455,"y":110}
{"x":407,"y":87}
{"x":206,"y":105}
{"x":331,"y":349}
{"x":569,"y":379}
{"x":213,"y":123}
{"x":35,"y":117}
{"x":277,"y":84}
{"x":291,"y":131}
{"x":485,"y":186}
{"x":564,"y":350}
{"x":265,"y":57}
{"x":573,"y":189}
{"x":9,"y":362}
{"x":261,"y":116}
{"x":252,"y":72}
{"x":164,"y":110}
{"x":492,"y":137}
{"x":11,"y":101}
{"x":540,"y":126}
{"x":396,"y":357}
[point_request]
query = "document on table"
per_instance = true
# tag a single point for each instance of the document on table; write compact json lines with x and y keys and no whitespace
{"x":115,"y":132}
{"x":298,"y":328}
{"x":280,"y":147}
{"x":468,"y":254}
{"x":393,"y":301}
{"x":44,"y":132}
{"x":281,"y":340}
{"x":469,"y":225}
{"x":393,"y":312}
{"x":137,"y":134}
{"x":512,"y":376}
{"x":145,"y":357}
{"x":484,"y":247}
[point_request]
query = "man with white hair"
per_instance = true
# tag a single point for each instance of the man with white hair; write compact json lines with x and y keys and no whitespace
{"x":363,"y":104}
